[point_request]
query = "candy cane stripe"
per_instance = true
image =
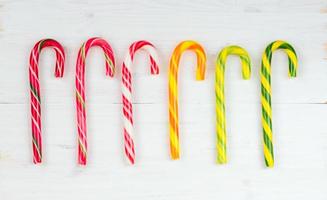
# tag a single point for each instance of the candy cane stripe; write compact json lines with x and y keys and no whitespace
{"x":35,"y":99}
{"x":127,"y":92}
{"x":173,"y":89}
{"x":220,"y":96}
{"x":80,"y":89}
{"x":266,"y":93}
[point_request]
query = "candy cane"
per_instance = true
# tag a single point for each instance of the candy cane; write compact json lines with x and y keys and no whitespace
{"x":266,"y":93}
{"x":35,"y":90}
{"x":127,"y":92}
{"x":80,"y":89}
{"x":173,"y":89}
{"x":220,"y":94}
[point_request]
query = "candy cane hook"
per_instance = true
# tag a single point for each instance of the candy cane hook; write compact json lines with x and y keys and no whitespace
{"x":173,"y":89}
{"x":80,"y":89}
{"x":35,"y":90}
{"x":127,"y":92}
{"x":220,"y":94}
{"x":266,"y":93}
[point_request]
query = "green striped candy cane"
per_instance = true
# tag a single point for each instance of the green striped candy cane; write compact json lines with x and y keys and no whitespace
{"x":220,"y":97}
{"x":266,"y":93}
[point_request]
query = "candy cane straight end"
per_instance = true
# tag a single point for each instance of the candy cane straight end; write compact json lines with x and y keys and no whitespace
{"x":130,"y":160}
{"x":221,"y":155}
{"x":268,"y":151}
{"x":37,"y":161}
{"x":82,"y":162}
{"x":81,"y":155}
{"x":221,"y":162}
{"x":199,"y":78}
{"x":269,"y":160}
{"x":37,"y":155}
{"x":174,"y":155}
{"x":270,"y":165}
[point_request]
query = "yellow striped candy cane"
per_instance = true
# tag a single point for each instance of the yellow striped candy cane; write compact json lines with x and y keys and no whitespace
{"x":220,"y":97}
{"x":266,"y":93}
{"x":173,"y":89}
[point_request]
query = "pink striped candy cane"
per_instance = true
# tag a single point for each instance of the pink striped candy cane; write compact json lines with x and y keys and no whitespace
{"x":80,"y":89}
{"x":35,"y":90}
{"x":127,"y":92}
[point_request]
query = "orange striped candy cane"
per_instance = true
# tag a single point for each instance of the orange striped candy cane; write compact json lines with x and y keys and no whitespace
{"x":173,"y":89}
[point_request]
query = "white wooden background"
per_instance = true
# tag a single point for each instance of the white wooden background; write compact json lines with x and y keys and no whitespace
{"x":299,"y":109}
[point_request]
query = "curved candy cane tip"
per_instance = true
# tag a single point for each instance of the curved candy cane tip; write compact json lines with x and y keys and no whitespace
{"x":199,"y":51}
{"x":242,"y":53}
{"x":175,"y":156}
{"x":108,"y":53}
{"x":59,"y":50}
{"x":60,"y":54}
{"x":290,"y":52}
{"x":150,"y":49}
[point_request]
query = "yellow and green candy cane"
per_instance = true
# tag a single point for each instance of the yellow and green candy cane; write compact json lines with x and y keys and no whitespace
{"x":266,"y":93}
{"x":220,"y":94}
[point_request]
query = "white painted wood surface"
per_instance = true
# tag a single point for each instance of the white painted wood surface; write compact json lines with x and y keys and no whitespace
{"x":299,"y":110}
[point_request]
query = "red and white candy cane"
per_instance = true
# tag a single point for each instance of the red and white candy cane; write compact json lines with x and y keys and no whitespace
{"x":127,"y":92}
{"x":35,"y":90}
{"x":80,"y":89}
